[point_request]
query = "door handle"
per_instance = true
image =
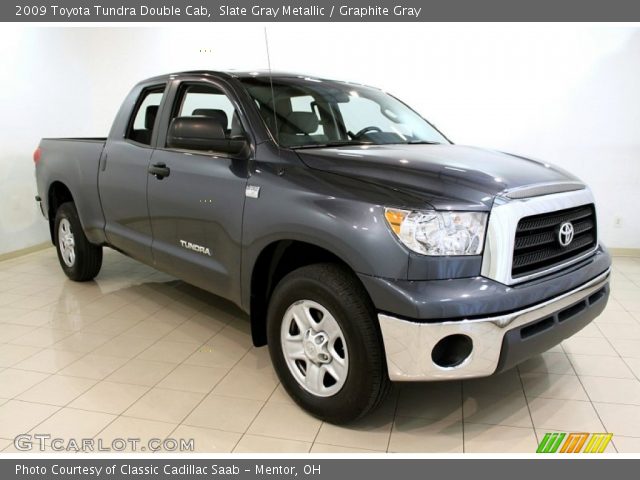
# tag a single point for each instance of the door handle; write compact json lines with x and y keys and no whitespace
{"x":159,"y":170}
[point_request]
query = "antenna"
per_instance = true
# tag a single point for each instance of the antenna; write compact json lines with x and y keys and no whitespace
{"x":273,"y":95}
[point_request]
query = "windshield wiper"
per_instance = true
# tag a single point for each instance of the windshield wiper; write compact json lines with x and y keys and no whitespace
{"x":420,"y":142}
{"x":331,"y":144}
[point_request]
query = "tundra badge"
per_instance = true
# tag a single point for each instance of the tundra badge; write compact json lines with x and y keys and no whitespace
{"x":195,"y":248}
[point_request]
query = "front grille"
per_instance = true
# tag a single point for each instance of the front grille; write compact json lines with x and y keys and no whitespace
{"x":537,"y":246}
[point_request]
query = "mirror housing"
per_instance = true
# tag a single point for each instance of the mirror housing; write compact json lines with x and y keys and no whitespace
{"x":203,"y":134}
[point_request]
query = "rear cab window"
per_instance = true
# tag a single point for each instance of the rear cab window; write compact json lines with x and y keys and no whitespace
{"x":145,"y":115}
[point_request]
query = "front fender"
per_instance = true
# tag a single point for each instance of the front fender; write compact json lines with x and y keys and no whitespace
{"x":325,"y":210}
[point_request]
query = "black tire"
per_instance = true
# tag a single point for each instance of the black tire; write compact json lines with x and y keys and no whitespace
{"x":88,"y":257}
{"x":338,"y":290}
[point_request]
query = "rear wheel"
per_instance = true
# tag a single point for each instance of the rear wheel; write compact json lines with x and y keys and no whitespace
{"x":80,"y":259}
{"x":325,"y":344}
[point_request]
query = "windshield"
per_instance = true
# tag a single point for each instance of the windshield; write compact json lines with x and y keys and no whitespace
{"x":312,"y":113}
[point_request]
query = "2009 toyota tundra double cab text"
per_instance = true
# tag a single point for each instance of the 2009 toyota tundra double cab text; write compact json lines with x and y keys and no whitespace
{"x":364,"y":245}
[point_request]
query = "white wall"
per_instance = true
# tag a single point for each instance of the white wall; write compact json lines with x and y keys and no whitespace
{"x":567,"y":94}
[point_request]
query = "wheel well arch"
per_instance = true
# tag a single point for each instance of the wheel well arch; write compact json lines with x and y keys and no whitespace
{"x":58,"y":194}
{"x":274,"y":262}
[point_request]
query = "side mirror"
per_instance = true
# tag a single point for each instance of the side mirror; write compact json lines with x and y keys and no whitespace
{"x":204,"y":134}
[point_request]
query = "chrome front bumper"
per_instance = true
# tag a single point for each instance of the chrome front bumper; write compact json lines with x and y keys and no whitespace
{"x":409,"y":345}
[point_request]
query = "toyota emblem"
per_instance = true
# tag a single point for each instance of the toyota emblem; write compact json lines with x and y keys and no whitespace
{"x":565,"y":234}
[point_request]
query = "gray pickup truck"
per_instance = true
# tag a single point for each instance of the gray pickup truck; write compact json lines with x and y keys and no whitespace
{"x":364,"y":245}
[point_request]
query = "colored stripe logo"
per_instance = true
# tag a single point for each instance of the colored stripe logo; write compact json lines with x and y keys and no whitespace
{"x":574,"y":442}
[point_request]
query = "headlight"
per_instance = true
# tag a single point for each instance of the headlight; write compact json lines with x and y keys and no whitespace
{"x":439,"y":233}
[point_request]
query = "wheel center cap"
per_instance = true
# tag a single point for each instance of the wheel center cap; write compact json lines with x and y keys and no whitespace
{"x":315,"y":346}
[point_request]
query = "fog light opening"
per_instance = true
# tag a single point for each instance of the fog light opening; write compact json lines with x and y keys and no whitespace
{"x":452,"y":350}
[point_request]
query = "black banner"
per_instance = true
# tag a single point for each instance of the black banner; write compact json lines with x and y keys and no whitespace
{"x":318,"y":468}
{"x":317,"y":10}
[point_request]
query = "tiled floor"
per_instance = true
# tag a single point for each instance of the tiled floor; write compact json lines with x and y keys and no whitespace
{"x":139,"y":354}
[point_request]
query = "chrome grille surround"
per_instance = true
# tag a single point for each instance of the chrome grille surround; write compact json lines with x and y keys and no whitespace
{"x":540,"y":189}
{"x":503,"y":220}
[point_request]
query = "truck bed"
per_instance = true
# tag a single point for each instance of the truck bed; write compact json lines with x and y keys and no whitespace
{"x":76,"y":139}
{"x":73,"y":162}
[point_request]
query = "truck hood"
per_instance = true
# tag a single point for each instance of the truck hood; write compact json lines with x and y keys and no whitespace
{"x":443,"y":176}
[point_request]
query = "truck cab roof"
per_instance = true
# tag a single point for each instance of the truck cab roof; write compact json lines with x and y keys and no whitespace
{"x":245,"y":74}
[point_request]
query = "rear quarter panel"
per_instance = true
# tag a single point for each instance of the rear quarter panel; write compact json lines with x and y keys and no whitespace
{"x":75,"y":164}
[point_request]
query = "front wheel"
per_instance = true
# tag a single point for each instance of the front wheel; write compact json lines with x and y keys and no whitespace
{"x":80,"y":259}
{"x":325,"y":344}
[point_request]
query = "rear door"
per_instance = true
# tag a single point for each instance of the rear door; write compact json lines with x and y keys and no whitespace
{"x":196,"y":209}
{"x":123,"y":175}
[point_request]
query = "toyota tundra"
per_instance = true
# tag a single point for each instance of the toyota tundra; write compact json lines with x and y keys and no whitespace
{"x":365,"y":247}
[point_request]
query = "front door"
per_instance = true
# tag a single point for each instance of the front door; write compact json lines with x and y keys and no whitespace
{"x":196,"y":199}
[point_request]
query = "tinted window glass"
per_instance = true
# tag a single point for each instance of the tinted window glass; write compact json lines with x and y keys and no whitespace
{"x":200,"y":100}
{"x":304,"y":112}
{"x":145,"y":115}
